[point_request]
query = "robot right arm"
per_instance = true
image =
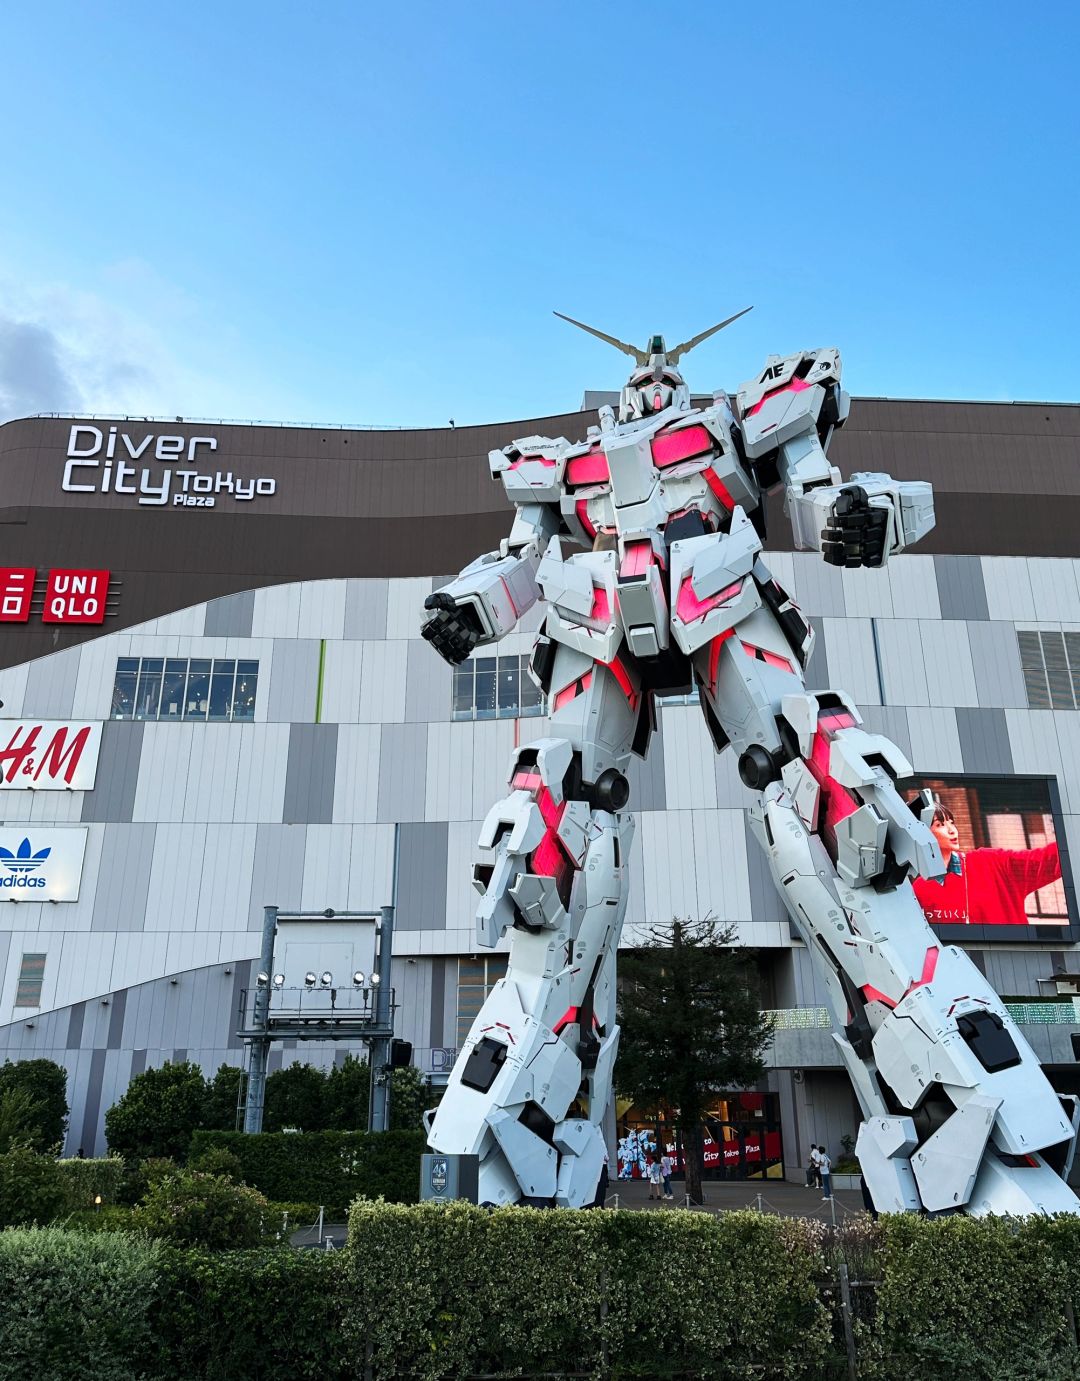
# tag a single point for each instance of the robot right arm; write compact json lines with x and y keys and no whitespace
{"x":788,"y":415}
{"x":492,"y":592}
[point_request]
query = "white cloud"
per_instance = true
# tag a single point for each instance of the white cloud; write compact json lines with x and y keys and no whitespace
{"x":124,"y":349}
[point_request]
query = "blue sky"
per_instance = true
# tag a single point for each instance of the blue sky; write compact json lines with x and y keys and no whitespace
{"x":366,"y":213}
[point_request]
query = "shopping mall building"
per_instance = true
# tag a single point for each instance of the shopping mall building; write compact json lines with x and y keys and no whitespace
{"x":215,"y":698}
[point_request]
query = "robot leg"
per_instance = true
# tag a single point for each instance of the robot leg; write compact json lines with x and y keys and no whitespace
{"x":532,"y":1083}
{"x":958,"y":1113}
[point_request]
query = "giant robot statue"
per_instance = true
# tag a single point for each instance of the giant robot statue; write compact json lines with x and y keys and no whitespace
{"x":645,"y":543}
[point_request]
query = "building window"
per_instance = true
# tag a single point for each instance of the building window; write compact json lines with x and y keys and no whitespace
{"x":31,"y":977}
{"x":1051,"y":663}
{"x":495,"y":688}
{"x":185,"y":688}
{"x":476,"y":978}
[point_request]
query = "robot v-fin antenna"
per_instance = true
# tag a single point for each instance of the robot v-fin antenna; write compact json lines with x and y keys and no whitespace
{"x":688,"y":345}
{"x":640,"y":356}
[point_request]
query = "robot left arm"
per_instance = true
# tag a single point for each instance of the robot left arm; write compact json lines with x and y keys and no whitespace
{"x":788,"y":416}
{"x":489,"y":596}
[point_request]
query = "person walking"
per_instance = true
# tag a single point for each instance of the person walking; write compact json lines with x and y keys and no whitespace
{"x":654,"y":1178}
{"x":813,"y":1170}
{"x":825,"y":1170}
{"x":666,"y":1167}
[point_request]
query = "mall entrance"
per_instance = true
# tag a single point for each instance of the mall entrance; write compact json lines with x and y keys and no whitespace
{"x":741,"y":1139}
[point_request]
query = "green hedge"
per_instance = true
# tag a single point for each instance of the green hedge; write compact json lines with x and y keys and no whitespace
{"x":274,"y":1315}
{"x":454,"y":1290}
{"x":76,"y":1305}
{"x":329,"y":1168}
{"x":85,"y":1178}
{"x":437,"y":1292}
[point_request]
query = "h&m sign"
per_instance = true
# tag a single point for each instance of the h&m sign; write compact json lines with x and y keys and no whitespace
{"x":47,"y":755}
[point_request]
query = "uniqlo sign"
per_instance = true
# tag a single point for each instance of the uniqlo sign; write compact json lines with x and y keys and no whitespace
{"x":75,"y":597}
{"x":16,"y":588}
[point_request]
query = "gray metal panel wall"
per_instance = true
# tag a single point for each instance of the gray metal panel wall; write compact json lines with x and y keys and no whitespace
{"x":294,"y":680}
{"x":230,"y":616}
{"x":113,"y":797}
{"x":127,"y":855}
{"x":421,"y":901}
{"x":50,"y":685}
{"x":309,"y":780}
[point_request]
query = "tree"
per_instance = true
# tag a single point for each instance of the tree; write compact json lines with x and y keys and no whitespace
{"x":295,"y":1097}
{"x":691,"y":1026}
{"x":222,"y":1099}
{"x":33,"y":1188}
{"x":158,"y":1113}
{"x":45,"y":1082}
{"x":409,"y":1097}
{"x":346,"y":1100}
{"x":18,"y":1122}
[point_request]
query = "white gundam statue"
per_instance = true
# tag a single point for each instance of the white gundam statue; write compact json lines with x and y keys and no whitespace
{"x":645,"y":543}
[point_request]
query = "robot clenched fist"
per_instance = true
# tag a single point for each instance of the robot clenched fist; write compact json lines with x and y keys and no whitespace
{"x":645,"y":543}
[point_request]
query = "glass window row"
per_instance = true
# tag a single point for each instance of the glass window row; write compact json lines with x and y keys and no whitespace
{"x":185,"y":688}
{"x":496,"y":688}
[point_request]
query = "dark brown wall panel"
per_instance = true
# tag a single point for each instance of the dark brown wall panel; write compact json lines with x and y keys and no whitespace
{"x":421,"y":502}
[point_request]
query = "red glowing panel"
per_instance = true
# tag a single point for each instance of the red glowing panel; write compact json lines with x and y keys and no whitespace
{"x":16,"y":588}
{"x":588,"y":469}
{"x":670,"y":447}
{"x":75,"y":597}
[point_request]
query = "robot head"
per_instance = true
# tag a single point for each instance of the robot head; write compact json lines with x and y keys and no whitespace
{"x":652,"y":388}
{"x":656,"y":383}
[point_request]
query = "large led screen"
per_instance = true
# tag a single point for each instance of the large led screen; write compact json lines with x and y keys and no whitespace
{"x":1007,"y":870}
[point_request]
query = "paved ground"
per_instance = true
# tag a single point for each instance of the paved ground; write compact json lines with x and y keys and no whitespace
{"x":776,"y":1196}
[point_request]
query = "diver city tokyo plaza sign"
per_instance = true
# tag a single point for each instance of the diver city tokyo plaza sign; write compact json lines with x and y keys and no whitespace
{"x":48,"y":755}
{"x":154,"y":471}
{"x":40,"y":865}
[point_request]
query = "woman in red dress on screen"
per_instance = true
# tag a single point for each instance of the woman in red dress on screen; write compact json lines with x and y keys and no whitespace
{"x":982,"y":886}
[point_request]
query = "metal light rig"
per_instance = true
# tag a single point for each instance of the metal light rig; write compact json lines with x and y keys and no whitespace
{"x":356,"y":1003}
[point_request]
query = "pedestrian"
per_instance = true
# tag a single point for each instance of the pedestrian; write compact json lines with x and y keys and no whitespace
{"x":825,"y":1169}
{"x":813,"y":1170}
{"x":666,"y":1167}
{"x":654,"y":1178}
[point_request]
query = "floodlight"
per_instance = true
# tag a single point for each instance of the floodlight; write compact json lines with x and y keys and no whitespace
{"x":327,"y":979}
{"x":279,"y":980}
{"x":309,"y":980}
{"x":262,"y":980}
{"x":374,"y":980}
{"x":358,"y":978}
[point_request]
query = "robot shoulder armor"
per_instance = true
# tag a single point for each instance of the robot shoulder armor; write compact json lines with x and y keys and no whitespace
{"x":807,"y":367}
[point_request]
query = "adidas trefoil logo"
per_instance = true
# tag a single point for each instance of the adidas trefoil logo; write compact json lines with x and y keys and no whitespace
{"x":20,"y":866}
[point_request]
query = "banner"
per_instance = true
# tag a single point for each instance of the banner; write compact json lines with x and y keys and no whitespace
{"x":40,"y":864}
{"x":47,"y":755}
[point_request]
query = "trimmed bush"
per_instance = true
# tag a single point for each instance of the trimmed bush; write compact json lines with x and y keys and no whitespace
{"x":444,"y":1290}
{"x":330,"y":1168}
{"x":75,"y":1307}
{"x":192,"y":1209}
{"x":158,"y":1112}
{"x":271,"y":1315}
{"x":978,"y":1298}
{"x":86,"y":1178}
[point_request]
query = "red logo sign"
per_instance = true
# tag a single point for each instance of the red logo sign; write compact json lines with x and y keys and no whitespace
{"x":16,"y":587}
{"x":75,"y":597}
{"x":49,"y":754}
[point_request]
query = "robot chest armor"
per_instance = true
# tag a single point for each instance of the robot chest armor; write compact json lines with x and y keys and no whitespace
{"x":635,"y":482}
